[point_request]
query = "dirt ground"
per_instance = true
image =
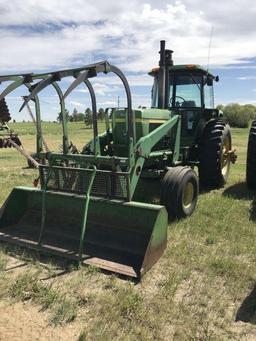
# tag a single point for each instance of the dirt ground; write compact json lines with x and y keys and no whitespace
{"x":21,"y":321}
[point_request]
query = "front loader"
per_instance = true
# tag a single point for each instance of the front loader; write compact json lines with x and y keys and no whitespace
{"x":87,"y":206}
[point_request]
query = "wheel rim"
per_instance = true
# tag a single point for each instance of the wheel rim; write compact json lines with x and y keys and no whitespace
{"x":225,"y":160}
{"x":188,"y":195}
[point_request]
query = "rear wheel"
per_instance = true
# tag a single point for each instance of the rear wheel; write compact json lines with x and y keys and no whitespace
{"x":251,"y":158}
{"x":179,"y":192}
{"x":214,"y":155}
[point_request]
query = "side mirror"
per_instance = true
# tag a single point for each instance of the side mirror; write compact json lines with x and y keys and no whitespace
{"x":217,"y":79}
{"x":209,"y":81}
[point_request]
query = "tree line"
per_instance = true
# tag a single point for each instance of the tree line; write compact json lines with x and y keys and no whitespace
{"x":238,"y":115}
{"x":235,"y":114}
{"x":85,"y":117}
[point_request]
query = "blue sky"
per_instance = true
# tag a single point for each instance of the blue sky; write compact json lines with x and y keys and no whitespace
{"x":37,"y":36}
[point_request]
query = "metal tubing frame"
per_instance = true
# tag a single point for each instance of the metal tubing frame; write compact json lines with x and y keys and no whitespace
{"x":43,"y":210}
{"x":81,"y":74}
{"x":39,"y":139}
{"x":21,"y":80}
{"x":65,"y":140}
{"x":85,"y":215}
{"x":141,"y":149}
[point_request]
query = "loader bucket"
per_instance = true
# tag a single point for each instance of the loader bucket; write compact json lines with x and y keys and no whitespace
{"x":123,"y":237}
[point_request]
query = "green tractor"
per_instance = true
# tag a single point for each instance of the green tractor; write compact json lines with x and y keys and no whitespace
{"x":88,"y":206}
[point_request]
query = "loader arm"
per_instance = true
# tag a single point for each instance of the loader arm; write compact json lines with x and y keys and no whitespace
{"x":145,"y":144}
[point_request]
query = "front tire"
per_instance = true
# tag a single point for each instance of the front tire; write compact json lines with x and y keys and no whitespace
{"x":214,"y":155}
{"x":179,"y":192}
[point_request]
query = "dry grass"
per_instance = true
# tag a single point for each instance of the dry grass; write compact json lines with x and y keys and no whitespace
{"x":203,"y":288}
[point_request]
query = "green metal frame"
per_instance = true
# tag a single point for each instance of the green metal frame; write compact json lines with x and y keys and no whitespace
{"x":138,"y":151}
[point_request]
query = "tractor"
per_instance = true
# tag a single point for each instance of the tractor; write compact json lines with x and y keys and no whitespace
{"x":88,"y":206}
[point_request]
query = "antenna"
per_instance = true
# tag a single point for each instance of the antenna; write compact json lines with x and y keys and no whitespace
{"x":209,"y":49}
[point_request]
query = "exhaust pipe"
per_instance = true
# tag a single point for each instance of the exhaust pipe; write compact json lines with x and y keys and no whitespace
{"x":165,"y":61}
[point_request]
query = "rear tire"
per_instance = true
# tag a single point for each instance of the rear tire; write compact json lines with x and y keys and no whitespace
{"x":214,"y":159}
{"x":179,"y":192}
{"x":251,"y":158}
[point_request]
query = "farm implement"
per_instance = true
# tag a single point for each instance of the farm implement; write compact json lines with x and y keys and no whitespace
{"x":7,"y":136}
{"x":87,"y":207}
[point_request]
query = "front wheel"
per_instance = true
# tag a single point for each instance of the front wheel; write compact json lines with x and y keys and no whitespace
{"x":179,"y":192}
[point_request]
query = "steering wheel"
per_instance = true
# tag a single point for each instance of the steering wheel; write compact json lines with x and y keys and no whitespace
{"x":171,"y":99}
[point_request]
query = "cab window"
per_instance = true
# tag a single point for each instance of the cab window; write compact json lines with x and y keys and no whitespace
{"x":185,"y":91}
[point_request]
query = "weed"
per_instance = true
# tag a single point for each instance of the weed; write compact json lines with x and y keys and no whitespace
{"x":64,"y":312}
{"x":3,"y":262}
{"x":27,"y":286}
{"x":82,"y":336}
{"x":226,"y":267}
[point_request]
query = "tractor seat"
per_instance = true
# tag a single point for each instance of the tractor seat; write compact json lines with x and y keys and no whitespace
{"x":188,"y":104}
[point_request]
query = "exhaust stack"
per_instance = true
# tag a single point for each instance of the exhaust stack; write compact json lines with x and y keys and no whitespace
{"x":164,"y":63}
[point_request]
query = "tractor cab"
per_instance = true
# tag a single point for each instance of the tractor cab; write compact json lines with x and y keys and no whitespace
{"x":185,"y":90}
{"x":186,"y":86}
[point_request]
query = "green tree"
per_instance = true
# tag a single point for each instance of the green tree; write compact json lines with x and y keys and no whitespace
{"x":88,"y":118}
{"x":239,"y":115}
{"x":77,"y":116}
{"x":59,"y":117}
{"x":101,"y":114}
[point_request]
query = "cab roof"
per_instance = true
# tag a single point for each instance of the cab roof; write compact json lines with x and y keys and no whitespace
{"x":183,"y":67}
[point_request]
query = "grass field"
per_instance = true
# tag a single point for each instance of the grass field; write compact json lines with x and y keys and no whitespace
{"x":203,"y":288}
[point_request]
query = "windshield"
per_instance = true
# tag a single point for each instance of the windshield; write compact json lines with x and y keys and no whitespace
{"x":187,"y":92}
{"x":208,"y":96}
{"x":154,"y":94}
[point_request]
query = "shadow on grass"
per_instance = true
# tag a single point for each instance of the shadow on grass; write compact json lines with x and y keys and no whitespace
{"x":239,"y":191}
{"x":28,"y":256}
{"x":62,"y":266}
{"x":16,"y":267}
{"x":247,"y":310}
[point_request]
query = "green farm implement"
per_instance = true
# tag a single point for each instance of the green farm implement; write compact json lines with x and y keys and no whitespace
{"x":88,"y":206}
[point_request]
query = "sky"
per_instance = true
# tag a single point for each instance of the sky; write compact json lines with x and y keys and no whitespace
{"x":41,"y":36}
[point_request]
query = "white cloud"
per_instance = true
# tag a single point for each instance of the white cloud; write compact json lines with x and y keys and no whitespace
{"x":127,"y":33}
{"x":246,"y":78}
{"x":81,"y":90}
{"x":47,"y":35}
{"x":108,"y":103}
{"x":75,"y":103}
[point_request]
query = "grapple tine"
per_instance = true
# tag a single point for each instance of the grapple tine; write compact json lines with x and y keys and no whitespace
{"x":39,"y":87}
{"x":11,"y":88}
{"x":80,"y":79}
